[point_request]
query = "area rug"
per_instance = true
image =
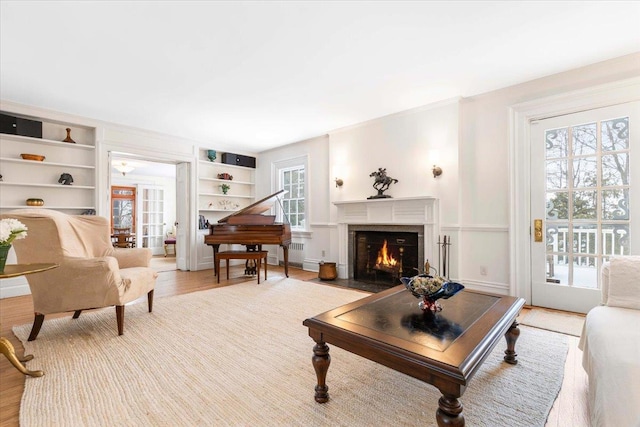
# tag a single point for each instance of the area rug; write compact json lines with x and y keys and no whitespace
{"x":239,"y":356}
{"x":564,"y":323}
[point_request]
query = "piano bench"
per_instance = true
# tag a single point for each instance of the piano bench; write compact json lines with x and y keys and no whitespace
{"x":257,"y":256}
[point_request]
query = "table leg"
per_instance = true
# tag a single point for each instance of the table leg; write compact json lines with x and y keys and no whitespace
{"x":7,"y":349}
{"x":321,"y":360}
{"x":449,"y":412}
{"x":512,"y":336}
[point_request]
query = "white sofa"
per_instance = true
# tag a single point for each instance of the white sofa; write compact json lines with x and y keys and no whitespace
{"x":610,"y":343}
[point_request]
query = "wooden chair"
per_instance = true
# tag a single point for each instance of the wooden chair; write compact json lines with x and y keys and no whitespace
{"x":170,"y":240}
{"x":122,"y":238}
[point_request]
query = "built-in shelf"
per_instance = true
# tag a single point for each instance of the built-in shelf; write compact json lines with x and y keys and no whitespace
{"x":233,"y":196}
{"x":228,"y":181}
{"x":211,"y":198}
{"x":54,"y":207}
{"x":23,"y":179}
{"x":43,"y":141}
{"x":45,"y":163}
{"x":66,"y":187}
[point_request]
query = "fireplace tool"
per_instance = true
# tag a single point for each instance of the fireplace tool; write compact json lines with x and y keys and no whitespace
{"x":444,"y":260}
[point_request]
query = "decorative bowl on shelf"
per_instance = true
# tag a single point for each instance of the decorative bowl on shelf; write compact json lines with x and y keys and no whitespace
{"x":430,"y":289}
{"x":35,"y":202}
{"x":36,"y":157}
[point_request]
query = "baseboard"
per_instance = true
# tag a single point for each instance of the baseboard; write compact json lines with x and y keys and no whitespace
{"x":14,"y":287}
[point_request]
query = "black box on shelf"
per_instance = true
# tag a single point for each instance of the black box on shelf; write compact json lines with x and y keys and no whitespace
{"x":19,"y":126}
{"x":239,"y":160}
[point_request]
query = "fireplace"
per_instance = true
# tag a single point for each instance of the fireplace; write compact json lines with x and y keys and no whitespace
{"x":382,"y":257}
{"x":409,"y":223}
{"x":381,"y":254}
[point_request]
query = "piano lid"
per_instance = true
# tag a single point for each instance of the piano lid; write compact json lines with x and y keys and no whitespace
{"x":256,"y":208}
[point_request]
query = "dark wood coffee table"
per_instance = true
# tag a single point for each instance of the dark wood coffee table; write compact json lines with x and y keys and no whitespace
{"x":445,"y":349}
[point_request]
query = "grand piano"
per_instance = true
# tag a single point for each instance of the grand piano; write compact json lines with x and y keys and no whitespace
{"x":251,"y":228}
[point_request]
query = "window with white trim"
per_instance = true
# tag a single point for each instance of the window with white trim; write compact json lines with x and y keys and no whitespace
{"x":292,"y":180}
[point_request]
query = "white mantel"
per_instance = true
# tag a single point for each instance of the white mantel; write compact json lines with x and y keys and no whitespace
{"x":420,"y":211}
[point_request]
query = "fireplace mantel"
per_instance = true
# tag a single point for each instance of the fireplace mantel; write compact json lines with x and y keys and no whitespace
{"x":417,"y":211}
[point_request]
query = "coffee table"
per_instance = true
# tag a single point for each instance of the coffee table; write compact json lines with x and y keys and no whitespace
{"x":444,"y":349}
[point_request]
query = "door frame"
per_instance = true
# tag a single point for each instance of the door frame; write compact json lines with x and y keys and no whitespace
{"x":520,"y":118}
{"x":188,"y":237}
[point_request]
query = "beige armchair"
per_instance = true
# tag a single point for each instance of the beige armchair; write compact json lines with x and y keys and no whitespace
{"x":92,"y":273}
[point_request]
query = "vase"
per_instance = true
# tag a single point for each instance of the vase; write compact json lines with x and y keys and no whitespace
{"x":68,"y":138}
{"x":211,"y":155}
{"x":429,"y":301}
{"x":4,"y":252}
{"x":429,"y":305}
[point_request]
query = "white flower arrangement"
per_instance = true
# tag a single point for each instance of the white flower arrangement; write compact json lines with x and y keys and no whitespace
{"x":427,"y":285}
{"x":10,"y":230}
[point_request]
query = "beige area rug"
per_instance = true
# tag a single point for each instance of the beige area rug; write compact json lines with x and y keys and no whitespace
{"x":570,"y":324}
{"x":239,"y":356}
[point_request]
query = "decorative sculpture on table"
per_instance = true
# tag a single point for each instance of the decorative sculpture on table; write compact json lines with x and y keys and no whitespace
{"x":65,"y":179}
{"x":381,"y":183}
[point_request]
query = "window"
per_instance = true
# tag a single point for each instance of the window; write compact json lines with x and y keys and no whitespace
{"x":292,"y":180}
{"x":587,"y":192}
{"x":123,"y":208}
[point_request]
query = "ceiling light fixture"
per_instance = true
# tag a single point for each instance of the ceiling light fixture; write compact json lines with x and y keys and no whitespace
{"x":123,"y":167}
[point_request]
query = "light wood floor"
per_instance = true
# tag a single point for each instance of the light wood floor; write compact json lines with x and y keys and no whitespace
{"x":569,"y":409}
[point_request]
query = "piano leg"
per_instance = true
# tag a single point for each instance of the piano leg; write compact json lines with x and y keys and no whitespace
{"x":286,"y":260}
{"x":215,"y":264}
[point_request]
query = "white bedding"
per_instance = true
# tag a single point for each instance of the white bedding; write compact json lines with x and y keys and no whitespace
{"x":610,"y":343}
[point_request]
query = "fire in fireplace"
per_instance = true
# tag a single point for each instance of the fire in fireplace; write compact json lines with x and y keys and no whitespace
{"x":382,"y":257}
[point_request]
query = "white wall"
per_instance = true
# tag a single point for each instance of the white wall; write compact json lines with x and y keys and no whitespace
{"x":321,"y":234}
{"x":472,"y":136}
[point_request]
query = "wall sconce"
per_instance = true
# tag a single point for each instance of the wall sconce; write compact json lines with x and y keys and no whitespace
{"x":339,"y":182}
{"x":437,"y":171}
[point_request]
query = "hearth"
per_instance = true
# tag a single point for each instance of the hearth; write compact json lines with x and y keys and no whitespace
{"x":381,"y":254}
{"x":384,"y":256}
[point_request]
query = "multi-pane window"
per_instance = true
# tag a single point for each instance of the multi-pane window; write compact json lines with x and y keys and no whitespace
{"x":293,"y":203}
{"x":123,"y":207}
{"x":587,"y":191}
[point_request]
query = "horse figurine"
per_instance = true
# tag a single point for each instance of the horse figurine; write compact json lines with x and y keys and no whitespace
{"x":381,"y":183}
{"x":65,"y":179}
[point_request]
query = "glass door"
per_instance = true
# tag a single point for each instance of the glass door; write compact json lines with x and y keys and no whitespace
{"x":583,"y":200}
{"x":152,"y":218}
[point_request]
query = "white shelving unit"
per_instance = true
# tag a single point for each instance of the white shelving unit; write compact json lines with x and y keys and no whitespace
{"x":25,"y":179}
{"x":213,"y":204}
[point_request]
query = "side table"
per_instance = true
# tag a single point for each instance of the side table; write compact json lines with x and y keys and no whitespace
{"x":6,"y":347}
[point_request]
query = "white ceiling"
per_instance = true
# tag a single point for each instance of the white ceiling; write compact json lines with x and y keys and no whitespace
{"x":255,"y":75}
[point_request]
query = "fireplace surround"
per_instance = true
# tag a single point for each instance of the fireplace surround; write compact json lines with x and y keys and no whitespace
{"x":415,"y":215}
